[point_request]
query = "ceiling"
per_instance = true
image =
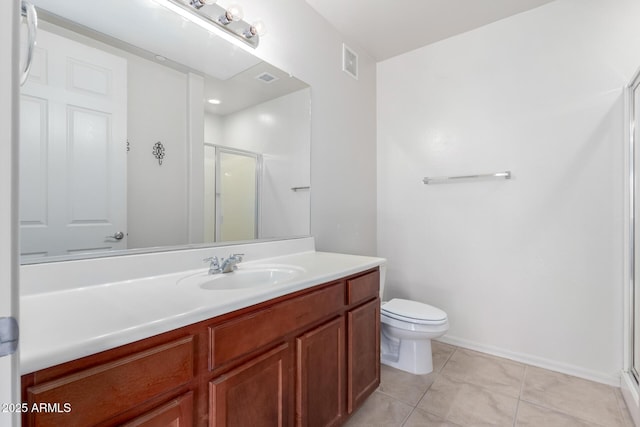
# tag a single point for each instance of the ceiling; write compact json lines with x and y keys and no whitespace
{"x":389,"y":28}
{"x":246,"y":88}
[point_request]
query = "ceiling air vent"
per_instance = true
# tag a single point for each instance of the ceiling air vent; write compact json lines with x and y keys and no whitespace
{"x":349,"y":61}
{"x":267,"y":77}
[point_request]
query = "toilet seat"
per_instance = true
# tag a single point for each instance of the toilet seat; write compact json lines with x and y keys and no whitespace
{"x":413,"y":312}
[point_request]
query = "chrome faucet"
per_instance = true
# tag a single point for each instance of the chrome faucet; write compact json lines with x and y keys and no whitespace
{"x":228,"y":265}
{"x":225,"y":265}
{"x":214,"y":264}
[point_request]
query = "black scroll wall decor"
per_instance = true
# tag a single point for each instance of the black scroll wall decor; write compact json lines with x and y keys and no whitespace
{"x":158,"y":152}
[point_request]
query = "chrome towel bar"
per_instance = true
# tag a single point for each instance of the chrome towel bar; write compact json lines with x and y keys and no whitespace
{"x":443,"y":179}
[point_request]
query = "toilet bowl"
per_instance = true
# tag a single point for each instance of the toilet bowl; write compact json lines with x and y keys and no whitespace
{"x":407,"y":328}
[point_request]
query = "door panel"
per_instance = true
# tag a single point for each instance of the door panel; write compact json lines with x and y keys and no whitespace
{"x":33,"y":157}
{"x":88,"y":147}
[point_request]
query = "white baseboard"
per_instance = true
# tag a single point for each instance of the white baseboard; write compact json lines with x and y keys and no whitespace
{"x":630,"y":395}
{"x":576,"y":371}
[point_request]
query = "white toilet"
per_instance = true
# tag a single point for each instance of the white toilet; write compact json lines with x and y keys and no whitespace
{"x":407,"y":328}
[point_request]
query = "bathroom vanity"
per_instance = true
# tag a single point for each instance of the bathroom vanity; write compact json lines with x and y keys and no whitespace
{"x":306,"y":354}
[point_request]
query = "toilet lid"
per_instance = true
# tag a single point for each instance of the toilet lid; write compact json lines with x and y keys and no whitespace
{"x":413,"y":311}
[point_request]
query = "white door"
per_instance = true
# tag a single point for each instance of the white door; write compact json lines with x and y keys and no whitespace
{"x":73,"y":150}
{"x":9,"y":371}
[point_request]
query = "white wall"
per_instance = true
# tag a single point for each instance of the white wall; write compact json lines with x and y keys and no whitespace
{"x":529,"y":268}
{"x":343,"y":169}
{"x":278,"y":129}
{"x":156,"y":194}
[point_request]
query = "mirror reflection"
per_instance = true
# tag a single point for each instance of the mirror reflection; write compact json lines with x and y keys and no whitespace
{"x":135,"y":137}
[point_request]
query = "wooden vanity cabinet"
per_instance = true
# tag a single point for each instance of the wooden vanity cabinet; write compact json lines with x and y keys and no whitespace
{"x":305,"y":359}
{"x":321,"y":375}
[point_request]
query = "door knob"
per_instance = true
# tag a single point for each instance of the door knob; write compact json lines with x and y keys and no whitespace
{"x":118,"y":236}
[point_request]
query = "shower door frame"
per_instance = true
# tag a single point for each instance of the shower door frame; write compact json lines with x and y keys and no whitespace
{"x":630,"y":378}
{"x":222,"y":149}
{"x":633,"y":315}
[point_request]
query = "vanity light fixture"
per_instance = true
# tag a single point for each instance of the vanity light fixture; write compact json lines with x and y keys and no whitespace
{"x":209,"y":15}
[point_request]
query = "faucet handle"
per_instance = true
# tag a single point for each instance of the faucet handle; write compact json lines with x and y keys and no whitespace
{"x":213,"y":260}
{"x":237,"y":256}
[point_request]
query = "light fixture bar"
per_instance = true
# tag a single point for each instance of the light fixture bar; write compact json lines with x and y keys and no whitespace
{"x":210,"y":16}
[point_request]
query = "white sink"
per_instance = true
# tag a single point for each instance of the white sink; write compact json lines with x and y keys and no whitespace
{"x":244,"y":277}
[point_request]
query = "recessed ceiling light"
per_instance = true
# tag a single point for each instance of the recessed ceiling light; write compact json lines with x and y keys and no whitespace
{"x":214,"y":101}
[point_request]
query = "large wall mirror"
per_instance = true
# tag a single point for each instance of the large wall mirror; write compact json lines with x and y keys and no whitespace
{"x":142,"y":131}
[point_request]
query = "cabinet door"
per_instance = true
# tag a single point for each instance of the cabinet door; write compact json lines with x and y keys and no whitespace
{"x":178,"y":412}
{"x":253,"y":394}
{"x":320,"y":374}
{"x":363,"y":353}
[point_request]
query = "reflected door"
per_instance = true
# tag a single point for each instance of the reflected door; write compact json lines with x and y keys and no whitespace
{"x":232,"y":209}
{"x":72,"y":150}
{"x":237,"y":196}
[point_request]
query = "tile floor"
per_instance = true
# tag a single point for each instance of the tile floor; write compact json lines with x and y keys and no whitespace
{"x":467,"y":388}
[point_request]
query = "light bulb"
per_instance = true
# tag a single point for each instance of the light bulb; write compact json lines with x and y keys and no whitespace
{"x":233,"y":13}
{"x":236,"y":12}
{"x":257,"y":28}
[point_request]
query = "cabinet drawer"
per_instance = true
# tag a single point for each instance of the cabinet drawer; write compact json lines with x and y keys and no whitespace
{"x":237,"y":337}
{"x":100,"y":392}
{"x":363,"y":288}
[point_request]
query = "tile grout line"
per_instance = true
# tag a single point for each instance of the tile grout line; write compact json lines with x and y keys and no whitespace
{"x":622,"y":407}
{"x":407,"y":418}
{"x":548,"y":407}
{"x":415,"y":407}
{"x":620,"y":414}
{"x":524,"y":377}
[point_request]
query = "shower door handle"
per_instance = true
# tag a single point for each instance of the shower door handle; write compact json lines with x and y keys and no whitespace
{"x":29,"y":12}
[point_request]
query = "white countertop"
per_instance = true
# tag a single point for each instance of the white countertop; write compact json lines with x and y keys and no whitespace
{"x":63,"y":325}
